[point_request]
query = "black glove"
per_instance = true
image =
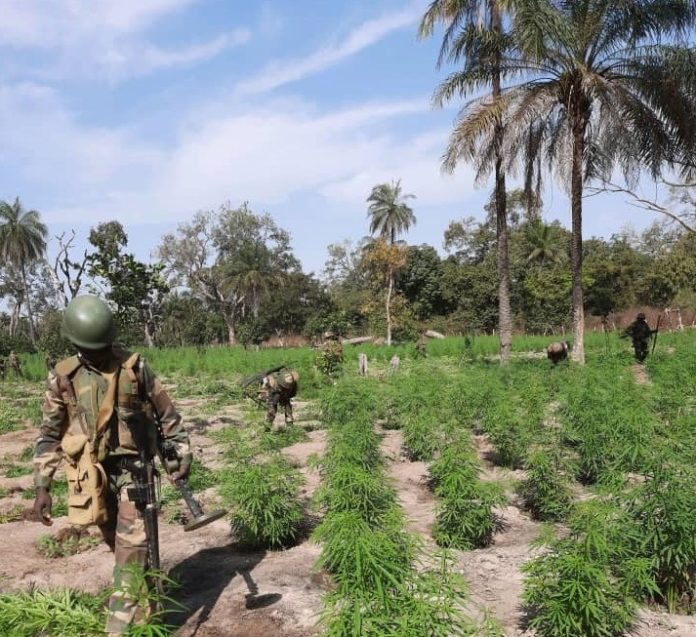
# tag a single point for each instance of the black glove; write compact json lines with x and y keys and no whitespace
{"x":43,"y":505}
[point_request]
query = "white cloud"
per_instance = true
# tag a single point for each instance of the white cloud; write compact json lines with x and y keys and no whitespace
{"x":284,"y":72}
{"x":266,"y":155}
{"x":101,"y":38}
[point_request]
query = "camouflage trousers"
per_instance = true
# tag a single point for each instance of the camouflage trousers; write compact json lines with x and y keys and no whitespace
{"x":275,"y":399}
{"x":640,"y":348}
{"x":124,"y":532}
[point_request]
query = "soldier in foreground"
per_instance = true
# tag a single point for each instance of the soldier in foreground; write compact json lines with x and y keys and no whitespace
{"x":640,"y":333}
{"x":557,"y":351}
{"x":279,"y":388}
{"x":97,"y":417}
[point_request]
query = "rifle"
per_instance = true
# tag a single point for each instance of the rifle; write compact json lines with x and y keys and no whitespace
{"x":170,"y":461}
{"x":248,"y":383}
{"x":144,"y":494}
{"x":657,"y":329}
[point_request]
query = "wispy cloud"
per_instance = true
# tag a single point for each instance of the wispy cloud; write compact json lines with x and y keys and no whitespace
{"x":264,"y":154}
{"x":279,"y":73}
{"x":100,"y":38}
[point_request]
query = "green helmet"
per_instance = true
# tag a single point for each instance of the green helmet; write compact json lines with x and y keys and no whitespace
{"x":88,"y":323}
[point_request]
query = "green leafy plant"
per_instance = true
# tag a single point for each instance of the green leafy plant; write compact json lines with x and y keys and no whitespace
{"x":267,"y":511}
{"x":586,"y":583}
{"x":465,"y":516}
{"x":59,"y":613}
{"x":545,"y":490}
{"x":66,"y":544}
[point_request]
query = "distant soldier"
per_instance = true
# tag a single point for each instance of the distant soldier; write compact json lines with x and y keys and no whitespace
{"x":394,"y":365}
{"x":2,"y":368}
{"x":50,"y":362}
{"x":14,"y":364}
{"x":280,"y":387}
{"x":558,"y":351}
{"x":639,"y":331}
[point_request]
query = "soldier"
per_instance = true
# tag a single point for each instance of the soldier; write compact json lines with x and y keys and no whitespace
{"x":2,"y":368}
{"x":280,"y":387}
{"x":15,"y":365}
{"x":639,"y":331}
{"x":558,"y":351}
{"x":96,"y":415}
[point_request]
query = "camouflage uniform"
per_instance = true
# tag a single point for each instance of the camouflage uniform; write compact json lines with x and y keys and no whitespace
{"x":75,"y":392}
{"x":639,"y":332}
{"x":281,"y":387}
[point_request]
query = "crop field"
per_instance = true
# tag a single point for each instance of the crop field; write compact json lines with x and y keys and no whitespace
{"x":444,"y":497}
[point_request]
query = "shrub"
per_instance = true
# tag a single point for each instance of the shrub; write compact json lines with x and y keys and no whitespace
{"x":545,"y":491}
{"x":267,"y":511}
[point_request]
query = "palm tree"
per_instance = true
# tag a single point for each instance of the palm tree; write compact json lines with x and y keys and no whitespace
{"x":597,"y":89}
{"x":546,"y":246}
{"x":22,"y":242}
{"x":474,"y":35}
{"x":389,"y":214}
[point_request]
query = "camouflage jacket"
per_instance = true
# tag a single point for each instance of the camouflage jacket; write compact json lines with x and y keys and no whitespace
{"x":75,"y":392}
{"x":639,"y":331}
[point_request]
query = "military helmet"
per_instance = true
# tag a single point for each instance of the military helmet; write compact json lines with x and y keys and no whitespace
{"x":89,"y":323}
{"x":641,"y":316}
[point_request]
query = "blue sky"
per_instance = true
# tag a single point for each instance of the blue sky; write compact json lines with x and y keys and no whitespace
{"x":149,"y":110}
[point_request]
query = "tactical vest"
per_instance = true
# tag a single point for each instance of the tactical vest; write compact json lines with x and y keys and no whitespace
{"x":114,"y":400}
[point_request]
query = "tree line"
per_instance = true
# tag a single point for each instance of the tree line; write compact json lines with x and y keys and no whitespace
{"x":230,"y":276}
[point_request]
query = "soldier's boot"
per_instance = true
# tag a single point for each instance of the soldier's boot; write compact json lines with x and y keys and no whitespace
{"x":130,"y":549}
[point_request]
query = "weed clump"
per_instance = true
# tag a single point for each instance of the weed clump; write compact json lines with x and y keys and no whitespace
{"x":267,"y":512}
{"x":545,"y":491}
{"x":465,"y":515}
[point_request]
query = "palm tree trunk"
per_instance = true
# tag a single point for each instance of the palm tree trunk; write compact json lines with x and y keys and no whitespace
{"x":390,"y":287}
{"x":504,"y":311}
{"x":32,"y":334}
{"x":576,"y":240}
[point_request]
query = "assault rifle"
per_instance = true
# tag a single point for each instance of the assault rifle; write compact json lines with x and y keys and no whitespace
{"x":145,"y":492}
{"x":248,"y":384}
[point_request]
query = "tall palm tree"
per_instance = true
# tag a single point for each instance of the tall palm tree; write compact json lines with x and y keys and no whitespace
{"x":22,"y":242}
{"x":389,"y":213}
{"x":474,"y":36}
{"x":591,"y":87}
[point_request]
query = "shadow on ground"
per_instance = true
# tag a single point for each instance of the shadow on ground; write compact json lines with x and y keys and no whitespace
{"x":204,"y":576}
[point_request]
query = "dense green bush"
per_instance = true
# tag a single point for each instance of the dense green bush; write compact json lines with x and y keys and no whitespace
{"x":545,"y":491}
{"x":266,"y":508}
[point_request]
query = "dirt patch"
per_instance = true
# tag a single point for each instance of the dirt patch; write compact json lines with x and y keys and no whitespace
{"x":655,"y":624}
{"x":300,"y":453}
{"x":494,"y":574}
{"x":12,"y":444}
{"x":640,"y":374}
{"x":411,"y":484}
